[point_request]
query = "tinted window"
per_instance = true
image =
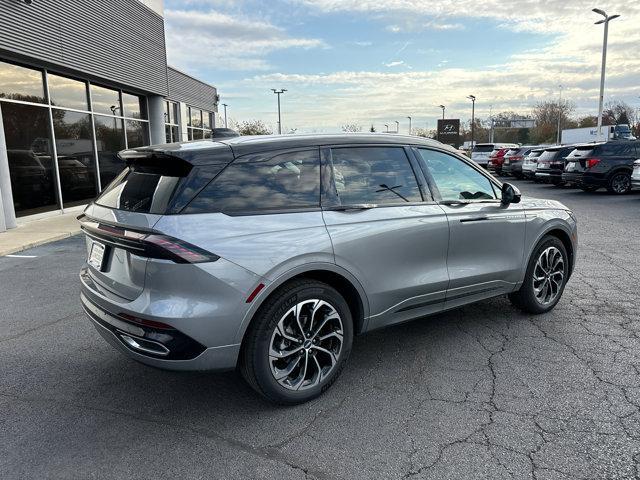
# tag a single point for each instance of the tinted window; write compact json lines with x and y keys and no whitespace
{"x":616,"y":149}
{"x":548,"y":155}
{"x":105,"y":100}
{"x":376,"y":175}
{"x":136,"y":133}
{"x":19,"y":83}
{"x":483,"y":148}
{"x":285,"y":181}
{"x":65,"y":92}
{"x":455,"y":179}
{"x":534,"y":153}
{"x":132,"y":106}
{"x":109,"y":141}
{"x":581,"y":152}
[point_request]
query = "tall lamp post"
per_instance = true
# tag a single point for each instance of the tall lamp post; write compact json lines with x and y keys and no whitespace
{"x":473,"y":117}
{"x":559,"y":115}
{"x":397,"y":126}
{"x":278,"y":93}
{"x":606,"y":21}
{"x":409,"y":125}
{"x":387,"y":127}
{"x":225,"y":114}
{"x":442,"y":107}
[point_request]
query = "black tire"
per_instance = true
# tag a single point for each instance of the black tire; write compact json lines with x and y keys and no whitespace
{"x":619,"y":183}
{"x":525,"y":298}
{"x":255,"y":361}
{"x":588,"y":188}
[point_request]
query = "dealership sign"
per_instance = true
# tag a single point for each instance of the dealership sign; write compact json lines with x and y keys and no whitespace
{"x":449,"y":131}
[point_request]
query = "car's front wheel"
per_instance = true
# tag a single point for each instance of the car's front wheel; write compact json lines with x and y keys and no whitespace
{"x":298,"y":343}
{"x":545,"y":279}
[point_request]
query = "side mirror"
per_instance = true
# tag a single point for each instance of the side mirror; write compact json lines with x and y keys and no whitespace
{"x":510,"y":194}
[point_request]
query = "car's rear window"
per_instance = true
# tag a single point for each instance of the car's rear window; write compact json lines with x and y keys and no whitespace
{"x":581,"y":152}
{"x":157,"y":188}
{"x":534,"y":154}
{"x":267,"y":182}
{"x":512,"y":151}
{"x":483,"y":148}
{"x":548,"y":155}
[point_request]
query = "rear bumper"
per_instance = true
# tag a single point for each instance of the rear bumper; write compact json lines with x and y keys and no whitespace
{"x":583,"y":179}
{"x":512,"y":168}
{"x":549,"y":176}
{"x":187,"y":321}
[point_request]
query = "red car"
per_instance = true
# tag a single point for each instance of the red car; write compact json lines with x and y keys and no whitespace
{"x":496,"y":159}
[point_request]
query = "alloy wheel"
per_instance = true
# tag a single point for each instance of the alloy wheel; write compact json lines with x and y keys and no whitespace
{"x":306,"y":344}
{"x":548,"y":275}
{"x":620,"y":183}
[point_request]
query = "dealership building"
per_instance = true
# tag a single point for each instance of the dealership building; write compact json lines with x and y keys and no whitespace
{"x":80,"y":81}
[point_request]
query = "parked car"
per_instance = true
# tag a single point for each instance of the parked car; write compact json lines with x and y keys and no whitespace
{"x":496,"y":158}
{"x":635,"y":176}
{"x":513,"y":160}
{"x":530,"y":163}
{"x":608,"y":165}
{"x":271,"y":253}
{"x":551,"y":164}
{"x":482,"y":151}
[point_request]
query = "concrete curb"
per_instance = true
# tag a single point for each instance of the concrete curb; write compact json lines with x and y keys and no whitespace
{"x":37,"y":243}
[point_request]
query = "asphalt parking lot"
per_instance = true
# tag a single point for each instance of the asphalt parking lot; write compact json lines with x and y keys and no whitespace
{"x":480,"y":392}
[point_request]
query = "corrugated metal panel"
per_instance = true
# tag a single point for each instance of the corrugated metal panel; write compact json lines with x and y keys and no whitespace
{"x":119,"y":41}
{"x":184,"y":88}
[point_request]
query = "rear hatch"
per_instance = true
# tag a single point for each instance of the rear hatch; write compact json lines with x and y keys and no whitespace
{"x":119,"y":223}
{"x":581,"y":159}
{"x":481,"y":152}
{"x":512,"y":156}
{"x":550,"y":160}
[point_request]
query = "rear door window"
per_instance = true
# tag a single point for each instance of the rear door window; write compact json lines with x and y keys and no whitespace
{"x":374,"y":175}
{"x":617,"y":150}
{"x":267,"y":182}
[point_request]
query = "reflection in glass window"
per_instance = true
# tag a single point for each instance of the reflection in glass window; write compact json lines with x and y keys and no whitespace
{"x":206,"y":120}
{"x":105,"y":100}
{"x":133,"y":106}
{"x":76,"y":164}
{"x":19,"y":83}
{"x":136,"y":134}
{"x":109,"y":141}
{"x":196,"y":118}
{"x":28,"y":140}
{"x":375,"y":175}
{"x":286,"y":181}
{"x":65,"y":92}
{"x":455,"y":179}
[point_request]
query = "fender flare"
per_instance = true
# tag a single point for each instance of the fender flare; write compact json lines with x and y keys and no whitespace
{"x":300,"y":270}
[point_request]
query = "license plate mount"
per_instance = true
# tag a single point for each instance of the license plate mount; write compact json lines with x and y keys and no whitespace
{"x":96,"y":255}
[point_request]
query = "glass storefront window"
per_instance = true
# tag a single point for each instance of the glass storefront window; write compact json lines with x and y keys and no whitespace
{"x":76,"y":163}
{"x":133,"y":106}
{"x":206,"y":120}
{"x":109,"y":141}
{"x":68,"y":93}
{"x":196,"y":118}
{"x":19,"y":83}
{"x":105,"y":100}
{"x":136,"y":134}
{"x":28,"y":139}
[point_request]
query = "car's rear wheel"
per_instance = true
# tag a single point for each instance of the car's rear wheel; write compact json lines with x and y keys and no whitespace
{"x":545,"y":279}
{"x":619,"y":183}
{"x":298,"y":343}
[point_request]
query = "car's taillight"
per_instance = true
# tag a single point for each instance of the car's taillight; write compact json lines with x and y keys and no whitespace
{"x":592,"y":162}
{"x":146,"y":244}
{"x":636,"y":164}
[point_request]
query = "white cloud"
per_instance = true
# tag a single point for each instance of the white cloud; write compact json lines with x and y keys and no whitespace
{"x":396,"y":63}
{"x":201,"y":39}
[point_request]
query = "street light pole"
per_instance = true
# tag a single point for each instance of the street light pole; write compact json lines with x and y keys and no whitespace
{"x":473,"y":117}
{"x":397,"y":126}
{"x":559,"y":115}
{"x":278,"y":92}
{"x":606,"y":21}
{"x":409,"y":125}
{"x":442,"y":107}
{"x":225,"y":114}
{"x":387,"y":127}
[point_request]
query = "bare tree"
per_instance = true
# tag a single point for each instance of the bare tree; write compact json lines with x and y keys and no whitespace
{"x":253,"y":127}
{"x":546,"y":115}
{"x":351,"y":128}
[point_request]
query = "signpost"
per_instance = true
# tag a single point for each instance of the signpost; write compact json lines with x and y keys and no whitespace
{"x":449,"y":131}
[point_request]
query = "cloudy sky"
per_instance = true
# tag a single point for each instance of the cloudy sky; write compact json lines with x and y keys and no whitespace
{"x":377,"y":61}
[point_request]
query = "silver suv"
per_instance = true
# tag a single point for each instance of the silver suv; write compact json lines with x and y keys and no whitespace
{"x":271,"y":253}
